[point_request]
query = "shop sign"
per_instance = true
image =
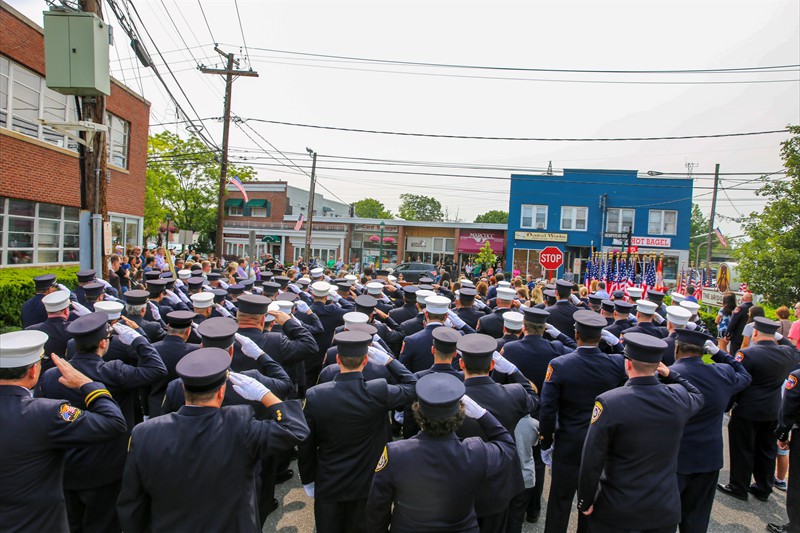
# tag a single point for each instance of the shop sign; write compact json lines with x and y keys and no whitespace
{"x":540,"y":236}
{"x":375,"y":228}
{"x":471,"y":242}
{"x":648,"y":242}
{"x":419,"y":244}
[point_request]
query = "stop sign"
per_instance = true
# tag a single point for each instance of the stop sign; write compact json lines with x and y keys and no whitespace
{"x":551,"y":258}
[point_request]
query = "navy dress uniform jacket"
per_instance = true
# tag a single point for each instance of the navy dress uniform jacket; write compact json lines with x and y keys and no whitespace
{"x":769,"y":364}
{"x":416,"y":352}
{"x":492,"y":324}
{"x":648,"y":328}
{"x":105,"y":461}
{"x":57,"y":338}
{"x":669,"y":352}
{"x":171,"y":349}
{"x":371,"y":371}
{"x":410,"y":426}
{"x":789,"y":413}
{"x":347,"y":418}
{"x":504,"y":339}
{"x":154,"y":330}
{"x":628,"y":468}
{"x":179,"y":464}
{"x":561,"y":317}
{"x":432,"y":482}
{"x":33,"y":311}
{"x":331,"y":317}
{"x":532,"y":355}
{"x":406,"y":312}
{"x":572,"y":383}
{"x":619,"y":326}
{"x":701,"y":445}
{"x":413,"y":325}
{"x":470,"y":315}
{"x":35,"y":434}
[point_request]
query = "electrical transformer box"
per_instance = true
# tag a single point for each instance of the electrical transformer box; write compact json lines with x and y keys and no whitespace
{"x":76,"y":53}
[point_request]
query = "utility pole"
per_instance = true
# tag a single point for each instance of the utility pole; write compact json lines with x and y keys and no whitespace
{"x":711,"y":220}
{"x":229,"y":72}
{"x":95,"y":164}
{"x":311,"y":202}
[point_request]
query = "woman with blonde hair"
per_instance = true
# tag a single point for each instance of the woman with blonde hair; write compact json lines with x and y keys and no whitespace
{"x":230,"y":272}
{"x":536,"y":296}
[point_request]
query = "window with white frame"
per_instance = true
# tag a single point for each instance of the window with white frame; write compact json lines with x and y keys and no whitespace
{"x":258,"y":211}
{"x":619,"y":220}
{"x":534,"y":216}
{"x":37,"y":233}
{"x":443,"y":245}
{"x":574,"y":218}
{"x":117,"y":144}
{"x":24,"y":98}
{"x":662,"y":222}
{"x":235,"y":211}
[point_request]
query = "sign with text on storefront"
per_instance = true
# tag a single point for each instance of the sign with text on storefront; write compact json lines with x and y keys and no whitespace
{"x":419,"y":244}
{"x":540,"y":236}
{"x":653,"y":242}
{"x":376,"y":228}
{"x":471,"y":242}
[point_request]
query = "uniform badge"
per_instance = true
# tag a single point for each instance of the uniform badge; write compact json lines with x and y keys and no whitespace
{"x":383,"y":461}
{"x":69,"y":412}
{"x":791,"y":382}
{"x":739,"y":357}
{"x":549,"y":373}
{"x":597,"y":411}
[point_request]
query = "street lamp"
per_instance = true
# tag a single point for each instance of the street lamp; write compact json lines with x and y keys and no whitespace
{"x":380,"y":253}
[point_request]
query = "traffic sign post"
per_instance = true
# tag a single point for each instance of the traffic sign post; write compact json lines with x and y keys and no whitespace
{"x":551,"y":258}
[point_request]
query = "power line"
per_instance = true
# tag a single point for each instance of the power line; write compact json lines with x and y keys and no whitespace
{"x":241,"y":28}
{"x":207,"y":24}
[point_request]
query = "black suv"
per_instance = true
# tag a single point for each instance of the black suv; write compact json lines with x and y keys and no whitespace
{"x":413,"y":271}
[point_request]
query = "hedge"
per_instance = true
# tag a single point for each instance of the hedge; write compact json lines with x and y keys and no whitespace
{"x":16,"y":287}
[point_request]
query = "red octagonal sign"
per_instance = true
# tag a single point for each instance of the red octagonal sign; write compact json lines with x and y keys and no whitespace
{"x":551,"y":258}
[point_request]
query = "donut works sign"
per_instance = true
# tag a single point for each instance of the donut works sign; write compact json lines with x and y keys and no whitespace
{"x":470,"y":242}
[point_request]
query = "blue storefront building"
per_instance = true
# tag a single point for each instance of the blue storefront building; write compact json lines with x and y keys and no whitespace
{"x":583,"y":210}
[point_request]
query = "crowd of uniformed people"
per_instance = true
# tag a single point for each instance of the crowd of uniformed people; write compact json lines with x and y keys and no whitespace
{"x":408,"y":407}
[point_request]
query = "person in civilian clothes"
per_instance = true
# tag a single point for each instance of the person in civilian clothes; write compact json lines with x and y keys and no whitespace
{"x":789,"y":439}
{"x":508,"y":403}
{"x":347,"y":418}
{"x":166,"y":451}
{"x":755,"y":413}
{"x":561,"y":312}
{"x":492,"y":324}
{"x":627,"y":479}
{"x":571,"y":384}
{"x":57,"y":305}
{"x":33,"y":311}
{"x":37,"y":431}
{"x":428,"y":482}
{"x":738,"y":322}
{"x":92,"y":476}
{"x":700,"y":455}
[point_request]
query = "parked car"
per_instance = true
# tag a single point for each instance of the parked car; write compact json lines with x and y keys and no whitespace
{"x":413,"y":271}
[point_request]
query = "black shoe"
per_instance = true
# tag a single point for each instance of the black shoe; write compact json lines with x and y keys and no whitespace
{"x":776,"y":528}
{"x":759,"y":495}
{"x":532,"y":517}
{"x":730,"y":491}
{"x":283,"y":477}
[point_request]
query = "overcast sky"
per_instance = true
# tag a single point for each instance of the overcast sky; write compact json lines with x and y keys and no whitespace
{"x":597,"y":35}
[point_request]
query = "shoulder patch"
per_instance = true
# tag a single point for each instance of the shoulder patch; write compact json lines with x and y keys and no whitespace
{"x":403,"y":347}
{"x":549,"y":373}
{"x":739,"y":357}
{"x":597,"y":411}
{"x":383,"y":461}
{"x":69,"y":413}
{"x":791,"y":381}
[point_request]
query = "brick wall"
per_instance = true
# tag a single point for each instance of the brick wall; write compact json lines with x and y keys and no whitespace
{"x":33,"y":170}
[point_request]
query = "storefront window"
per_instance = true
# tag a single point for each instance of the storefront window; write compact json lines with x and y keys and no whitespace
{"x":527,"y":262}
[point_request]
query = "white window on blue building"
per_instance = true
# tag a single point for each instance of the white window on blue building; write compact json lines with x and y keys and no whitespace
{"x":574,"y":218}
{"x":620,"y":220}
{"x":662,"y":222}
{"x":534,"y":217}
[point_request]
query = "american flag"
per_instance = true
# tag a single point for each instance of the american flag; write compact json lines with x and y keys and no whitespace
{"x":722,"y":240}
{"x":650,"y":278}
{"x":743,"y":287}
{"x":631,"y":273}
{"x":236,"y":182}
{"x":299,"y":224}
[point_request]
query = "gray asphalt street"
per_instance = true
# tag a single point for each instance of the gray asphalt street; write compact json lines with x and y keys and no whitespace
{"x":296,"y":514}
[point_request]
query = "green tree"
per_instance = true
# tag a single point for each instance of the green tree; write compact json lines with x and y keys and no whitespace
{"x":486,"y":256}
{"x":495,"y":216}
{"x":182,"y":180}
{"x":769,"y":261}
{"x":699,"y":226}
{"x":419,"y":207}
{"x":371,"y":208}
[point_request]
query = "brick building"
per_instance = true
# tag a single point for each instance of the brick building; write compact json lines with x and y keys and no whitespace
{"x":40,"y":191}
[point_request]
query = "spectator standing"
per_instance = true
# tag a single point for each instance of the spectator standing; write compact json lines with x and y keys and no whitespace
{"x":783,"y":317}
{"x":794,"y":331}
{"x":737,"y":323}
{"x":747,"y":333}
{"x":724,"y":318}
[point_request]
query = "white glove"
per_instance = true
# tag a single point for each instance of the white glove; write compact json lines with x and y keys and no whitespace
{"x":79,"y":309}
{"x":126,"y":335}
{"x":178,"y":283}
{"x":399,"y":417}
{"x":385,"y":299}
{"x":377,"y":356}
{"x":479,"y":304}
{"x":249,"y":347}
{"x":302,"y":306}
{"x":547,"y":456}
{"x":224,"y":312}
{"x":471,"y":408}
{"x":778,"y":336}
{"x":691,"y":326}
{"x":632,"y":318}
{"x":309,"y":490}
{"x":658,"y":319}
{"x":223,"y":285}
{"x":455,"y":319}
{"x":229,"y":305}
{"x":334,"y":296}
{"x":103,"y":282}
{"x":711,"y":347}
{"x":63,"y":287}
{"x":154,"y":310}
{"x":185,"y":299}
{"x":171,"y":296}
{"x":609,"y":337}
{"x":208,"y":288}
{"x":501,"y":364}
{"x":257,"y":290}
{"x":247,"y":387}
{"x":109,"y":298}
{"x":294,"y":288}
{"x":551,"y":330}
{"x":574,"y":299}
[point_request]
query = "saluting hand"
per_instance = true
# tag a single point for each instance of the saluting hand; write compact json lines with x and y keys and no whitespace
{"x":128,"y":322}
{"x":663,"y":370}
{"x":70,"y":377}
{"x":280,"y":317}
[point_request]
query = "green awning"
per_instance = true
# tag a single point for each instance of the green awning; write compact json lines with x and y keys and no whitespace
{"x":257,"y":203}
{"x":234,"y":202}
{"x":270,"y":238}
